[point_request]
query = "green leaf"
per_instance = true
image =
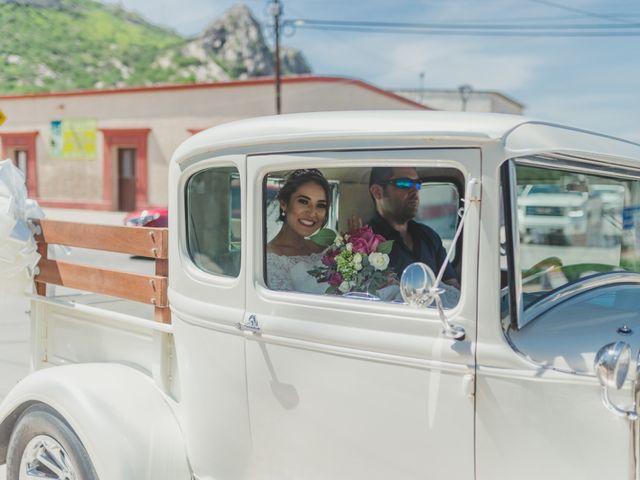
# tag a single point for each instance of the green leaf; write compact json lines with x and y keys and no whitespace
{"x":324,"y":237}
{"x":385,"y":247}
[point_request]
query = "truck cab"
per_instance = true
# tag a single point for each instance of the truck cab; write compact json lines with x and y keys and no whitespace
{"x":526,"y":371}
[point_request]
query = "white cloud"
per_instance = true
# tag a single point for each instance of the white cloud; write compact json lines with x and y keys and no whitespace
{"x":605,"y":112}
{"x":448,"y":64}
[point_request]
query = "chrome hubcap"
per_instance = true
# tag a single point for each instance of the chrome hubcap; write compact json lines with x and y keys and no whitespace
{"x":45,"y":458}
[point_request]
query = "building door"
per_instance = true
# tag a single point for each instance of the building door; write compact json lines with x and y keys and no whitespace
{"x":21,"y":149}
{"x":126,"y":179}
{"x":20,"y":160}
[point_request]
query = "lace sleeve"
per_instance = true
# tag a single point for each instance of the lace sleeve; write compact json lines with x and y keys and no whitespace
{"x":278,"y":274}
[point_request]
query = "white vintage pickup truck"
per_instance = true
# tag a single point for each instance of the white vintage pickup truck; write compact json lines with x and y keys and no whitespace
{"x":204,"y":371}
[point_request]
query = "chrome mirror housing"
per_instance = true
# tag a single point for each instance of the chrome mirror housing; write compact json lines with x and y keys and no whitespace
{"x":416,"y":285}
{"x":611,"y":366}
{"x":419,"y":288}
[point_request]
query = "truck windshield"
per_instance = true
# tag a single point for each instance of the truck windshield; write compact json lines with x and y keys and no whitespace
{"x":571,"y":225}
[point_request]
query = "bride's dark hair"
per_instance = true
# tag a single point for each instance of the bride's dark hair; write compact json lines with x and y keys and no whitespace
{"x":295,"y":180}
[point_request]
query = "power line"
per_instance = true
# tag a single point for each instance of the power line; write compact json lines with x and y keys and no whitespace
{"x":471,"y":29}
{"x":579,"y":10}
{"x":465,"y":26}
{"x":479,"y":33}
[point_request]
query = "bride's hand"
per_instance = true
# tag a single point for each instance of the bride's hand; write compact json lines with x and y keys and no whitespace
{"x":354,"y":222}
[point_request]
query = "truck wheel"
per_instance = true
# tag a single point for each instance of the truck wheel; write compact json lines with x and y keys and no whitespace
{"x":42,"y":445}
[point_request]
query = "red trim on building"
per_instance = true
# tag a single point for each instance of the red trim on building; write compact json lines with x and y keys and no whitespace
{"x":230,"y":84}
{"x":125,"y":137}
{"x":74,"y":205}
{"x":23,"y":141}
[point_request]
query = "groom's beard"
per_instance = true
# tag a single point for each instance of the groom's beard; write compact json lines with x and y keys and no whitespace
{"x":402,"y":212}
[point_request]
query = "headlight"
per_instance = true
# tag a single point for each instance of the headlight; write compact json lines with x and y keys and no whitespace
{"x":576,"y":212}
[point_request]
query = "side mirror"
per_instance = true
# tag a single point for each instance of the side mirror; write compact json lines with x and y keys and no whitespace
{"x":416,"y":285}
{"x":611,"y":366}
{"x":419,"y":289}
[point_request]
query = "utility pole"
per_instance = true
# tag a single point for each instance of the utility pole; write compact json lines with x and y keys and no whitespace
{"x":465,"y":92}
{"x":276,"y":11}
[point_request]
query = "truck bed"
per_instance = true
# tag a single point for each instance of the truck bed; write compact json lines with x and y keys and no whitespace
{"x":96,"y":314}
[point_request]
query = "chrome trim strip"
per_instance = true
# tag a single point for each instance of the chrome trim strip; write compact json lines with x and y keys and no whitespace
{"x":571,"y":290}
{"x":578,"y":165}
{"x":432,"y":364}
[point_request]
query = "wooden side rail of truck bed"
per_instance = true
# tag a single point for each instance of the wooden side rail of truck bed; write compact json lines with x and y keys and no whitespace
{"x":140,"y":241}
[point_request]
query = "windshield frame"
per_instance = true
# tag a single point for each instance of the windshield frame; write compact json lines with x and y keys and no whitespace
{"x":519,"y":315}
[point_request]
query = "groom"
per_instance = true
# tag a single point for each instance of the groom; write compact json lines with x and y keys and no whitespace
{"x":395,"y":193}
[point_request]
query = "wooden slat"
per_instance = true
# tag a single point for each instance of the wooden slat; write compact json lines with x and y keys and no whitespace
{"x":162,"y":315}
{"x":151,"y":289}
{"x":141,"y":241}
{"x":43,"y":250}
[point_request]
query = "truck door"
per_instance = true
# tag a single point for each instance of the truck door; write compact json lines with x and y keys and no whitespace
{"x":572,"y":288}
{"x":207,"y":299}
{"x":343,"y":387}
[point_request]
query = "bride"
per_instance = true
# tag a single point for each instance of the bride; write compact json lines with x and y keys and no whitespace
{"x":304,"y":204}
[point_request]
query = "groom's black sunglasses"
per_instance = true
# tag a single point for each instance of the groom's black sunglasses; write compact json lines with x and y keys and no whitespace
{"x":404,"y":183}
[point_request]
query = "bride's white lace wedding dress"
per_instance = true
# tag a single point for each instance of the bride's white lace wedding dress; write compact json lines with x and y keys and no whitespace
{"x":290,"y":273}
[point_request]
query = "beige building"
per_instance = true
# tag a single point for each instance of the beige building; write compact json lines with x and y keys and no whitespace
{"x":464,"y":98}
{"x":110,"y":149}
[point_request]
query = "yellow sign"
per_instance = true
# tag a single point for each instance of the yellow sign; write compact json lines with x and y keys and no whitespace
{"x":73,"y":138}
{"x":3,"y":117}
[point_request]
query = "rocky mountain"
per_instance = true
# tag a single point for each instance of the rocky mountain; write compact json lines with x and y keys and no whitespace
{"x":73,"y":44}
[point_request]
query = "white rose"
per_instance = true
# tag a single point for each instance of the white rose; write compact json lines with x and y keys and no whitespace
{"x":338,"y":240}
{"x":357,"y":261}
{"x":344,"y":286}
{"x":349,"y":247}
{"x":380,"y":261}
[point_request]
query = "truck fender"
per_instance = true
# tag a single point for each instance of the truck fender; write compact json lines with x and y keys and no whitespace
{"x":126,"y":424}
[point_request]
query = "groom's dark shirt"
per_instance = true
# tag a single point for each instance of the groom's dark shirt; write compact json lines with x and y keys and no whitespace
{"x":427,"y":247}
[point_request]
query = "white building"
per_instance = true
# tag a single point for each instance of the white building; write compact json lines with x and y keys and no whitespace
{"x":464,"y":98}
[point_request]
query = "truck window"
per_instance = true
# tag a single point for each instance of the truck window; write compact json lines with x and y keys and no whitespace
{"x":571,"y":227}
{"x":303,"y":269}
{"x":213,"y":212}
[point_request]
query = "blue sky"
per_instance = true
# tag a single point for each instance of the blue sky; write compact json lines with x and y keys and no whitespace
{"x":592,"y":82}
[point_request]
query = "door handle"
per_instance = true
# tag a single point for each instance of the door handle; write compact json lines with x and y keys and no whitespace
{"x":250,"y":324}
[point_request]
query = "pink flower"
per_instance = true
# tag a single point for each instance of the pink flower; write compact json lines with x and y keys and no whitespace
{"x":365,"y":241}
{"x":359,"y":245}
{"x":329,"y":259}
{"x":335,"y":279}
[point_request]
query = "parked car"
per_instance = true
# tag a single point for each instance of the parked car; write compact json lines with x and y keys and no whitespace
{"x":149,"y":217}
{"x":555,"y":212}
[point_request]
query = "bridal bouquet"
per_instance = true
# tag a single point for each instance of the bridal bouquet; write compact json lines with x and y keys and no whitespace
{"x":355,"y":262}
